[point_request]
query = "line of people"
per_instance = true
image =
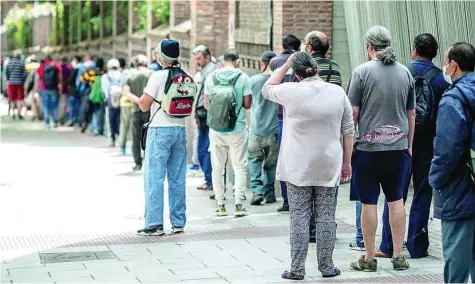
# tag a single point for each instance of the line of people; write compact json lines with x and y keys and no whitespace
{"x":409,"y":120}
{"x":297,"y":104}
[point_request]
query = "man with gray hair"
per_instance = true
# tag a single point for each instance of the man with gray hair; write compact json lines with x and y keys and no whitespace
{"x":133,"y":89}
{"x":382,"y":94}
{"x":202,"y":57}
{"x":317,"y":45}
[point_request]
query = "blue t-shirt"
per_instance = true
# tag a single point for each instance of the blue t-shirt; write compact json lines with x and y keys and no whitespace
{"x":263,"y":112}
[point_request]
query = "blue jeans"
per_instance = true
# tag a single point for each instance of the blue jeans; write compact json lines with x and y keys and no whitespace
{"x":165,"y":155}
{"x":359,"y":232}
{"x":262,"y":162}
{"x":283,"y":185}
{"x":114,"y":122}
{"x":98,"y":116}
{"x":204,"y":156}
{"x":74,"y":102}
{"x":458,"y":244}
{"x":50,"y":100}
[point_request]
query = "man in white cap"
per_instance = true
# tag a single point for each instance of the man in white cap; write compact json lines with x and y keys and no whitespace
{"x":112,"y":89}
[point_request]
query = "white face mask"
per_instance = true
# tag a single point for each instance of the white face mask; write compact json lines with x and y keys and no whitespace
{"x":447,"y":77}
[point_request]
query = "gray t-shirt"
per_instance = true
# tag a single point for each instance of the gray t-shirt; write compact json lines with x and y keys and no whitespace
{"x":384,"y":94}
{"x":208,"y":69}
{"x":263,"y":112}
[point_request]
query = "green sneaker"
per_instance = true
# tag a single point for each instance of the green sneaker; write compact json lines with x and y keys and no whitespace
{"x":240,"y":211}
{"x":365,"y":265}
{"x":400,"y":263}
{"x":221,"y":211}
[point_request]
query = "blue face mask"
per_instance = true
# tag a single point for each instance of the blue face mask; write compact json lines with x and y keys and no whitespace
{"x":447,"y":77}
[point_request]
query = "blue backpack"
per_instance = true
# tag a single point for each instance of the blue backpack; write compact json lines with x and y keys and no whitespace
{"x":115,"y":92}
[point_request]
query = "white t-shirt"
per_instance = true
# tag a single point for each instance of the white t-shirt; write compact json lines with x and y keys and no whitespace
{"x":156,"y":89}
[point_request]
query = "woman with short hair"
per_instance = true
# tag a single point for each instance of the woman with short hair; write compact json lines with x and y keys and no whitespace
{"x":311,"y":158}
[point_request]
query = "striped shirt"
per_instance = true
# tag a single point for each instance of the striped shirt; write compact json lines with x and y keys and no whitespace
{"x":328,"y":69}
{"x":16,"y":72}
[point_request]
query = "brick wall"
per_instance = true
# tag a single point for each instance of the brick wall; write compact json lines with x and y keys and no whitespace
{"x":210,"y":26}
{"x":299,"y":18}
{"x":182,"y":11}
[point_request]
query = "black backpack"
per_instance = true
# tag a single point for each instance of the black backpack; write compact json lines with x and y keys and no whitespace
{"x":50,"y":77}
{"x":425,"y":97}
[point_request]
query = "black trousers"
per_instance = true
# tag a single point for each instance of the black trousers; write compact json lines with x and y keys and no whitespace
{"x":139,"y":118}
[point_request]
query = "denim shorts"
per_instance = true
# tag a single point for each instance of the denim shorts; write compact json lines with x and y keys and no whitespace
{"x":388,"y":169}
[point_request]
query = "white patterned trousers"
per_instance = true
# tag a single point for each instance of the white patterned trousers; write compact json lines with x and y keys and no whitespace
{"x":301,"y":201}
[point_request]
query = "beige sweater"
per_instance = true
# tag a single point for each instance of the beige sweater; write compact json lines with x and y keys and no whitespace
{"x":316,"y":114}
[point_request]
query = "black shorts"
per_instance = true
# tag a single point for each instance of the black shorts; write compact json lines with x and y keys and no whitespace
{"x":390,"y":169}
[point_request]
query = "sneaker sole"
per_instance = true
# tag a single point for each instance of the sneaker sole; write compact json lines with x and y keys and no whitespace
{"x":357,"y":248}
{"x":151,"y":234}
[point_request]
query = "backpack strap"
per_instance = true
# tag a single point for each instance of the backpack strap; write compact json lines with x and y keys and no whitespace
{"x":429,"y":75}
{"x":330,"y":70}
{"x":411,"y":69}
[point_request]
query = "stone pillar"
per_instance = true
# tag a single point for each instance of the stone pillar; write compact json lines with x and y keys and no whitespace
{"x":89,"y":25}
{"x":210,"y":26}
{"x":130,"y":28}
{"x":71,"y":25}
{"x":150,"y":16}
{"x":79,"y":21}
{"x":114,"y":26}
{"x":101,"y":16}
{"x":299,"y":18}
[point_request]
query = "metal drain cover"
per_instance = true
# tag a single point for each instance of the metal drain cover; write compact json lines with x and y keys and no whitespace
{"x":75,"y":256}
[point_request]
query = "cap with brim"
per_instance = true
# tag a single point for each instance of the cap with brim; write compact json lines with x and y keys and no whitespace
{"x":267,"y":55}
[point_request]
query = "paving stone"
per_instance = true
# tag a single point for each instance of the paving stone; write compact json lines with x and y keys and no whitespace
{"x":76,"y":249}
{"x":27,"y":276}
{"x":30,"y":260}
{"x":258,"y":272}
{"x":260,"y":279}
{"x":239,"y":268}
{"x":51,"y":269}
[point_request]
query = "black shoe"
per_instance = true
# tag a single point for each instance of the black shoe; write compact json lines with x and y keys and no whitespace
{"x":152,"y":231}
{"x":20,"y":117}
{"x":71,"y":124}
{"x":137,"y":168}
{"x":283,"y":209}
{"x":271,"y":200}
{"x":83,"y":129}
{"x":257,"y":200}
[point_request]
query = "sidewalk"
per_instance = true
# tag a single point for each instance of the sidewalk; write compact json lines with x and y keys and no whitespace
{"x":69,"y":208}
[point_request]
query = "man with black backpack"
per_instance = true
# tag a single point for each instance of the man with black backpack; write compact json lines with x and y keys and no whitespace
{"x":227,"y":96}
{"x":429,"y":85}
{"x":202,"y":56}
{"x":452,"y":170}
{"x":49,"y":80}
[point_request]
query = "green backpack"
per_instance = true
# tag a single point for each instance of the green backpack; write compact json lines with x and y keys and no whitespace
{"x":96,"y":96}
{"x":222,"y":114}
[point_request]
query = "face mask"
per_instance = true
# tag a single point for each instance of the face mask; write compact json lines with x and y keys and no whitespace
{"x":447,"y":77}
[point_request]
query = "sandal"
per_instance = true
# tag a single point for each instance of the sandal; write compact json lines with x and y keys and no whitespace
{"x":292,"y":276}
{"x":400,"y":262}
{"x":205,"y":186}
{"x":365,"y":265}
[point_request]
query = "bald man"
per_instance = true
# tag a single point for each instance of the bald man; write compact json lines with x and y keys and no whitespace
{"x":317,"y":45}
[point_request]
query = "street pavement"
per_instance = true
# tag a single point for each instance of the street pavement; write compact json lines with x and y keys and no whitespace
{"x":70,"y":206}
